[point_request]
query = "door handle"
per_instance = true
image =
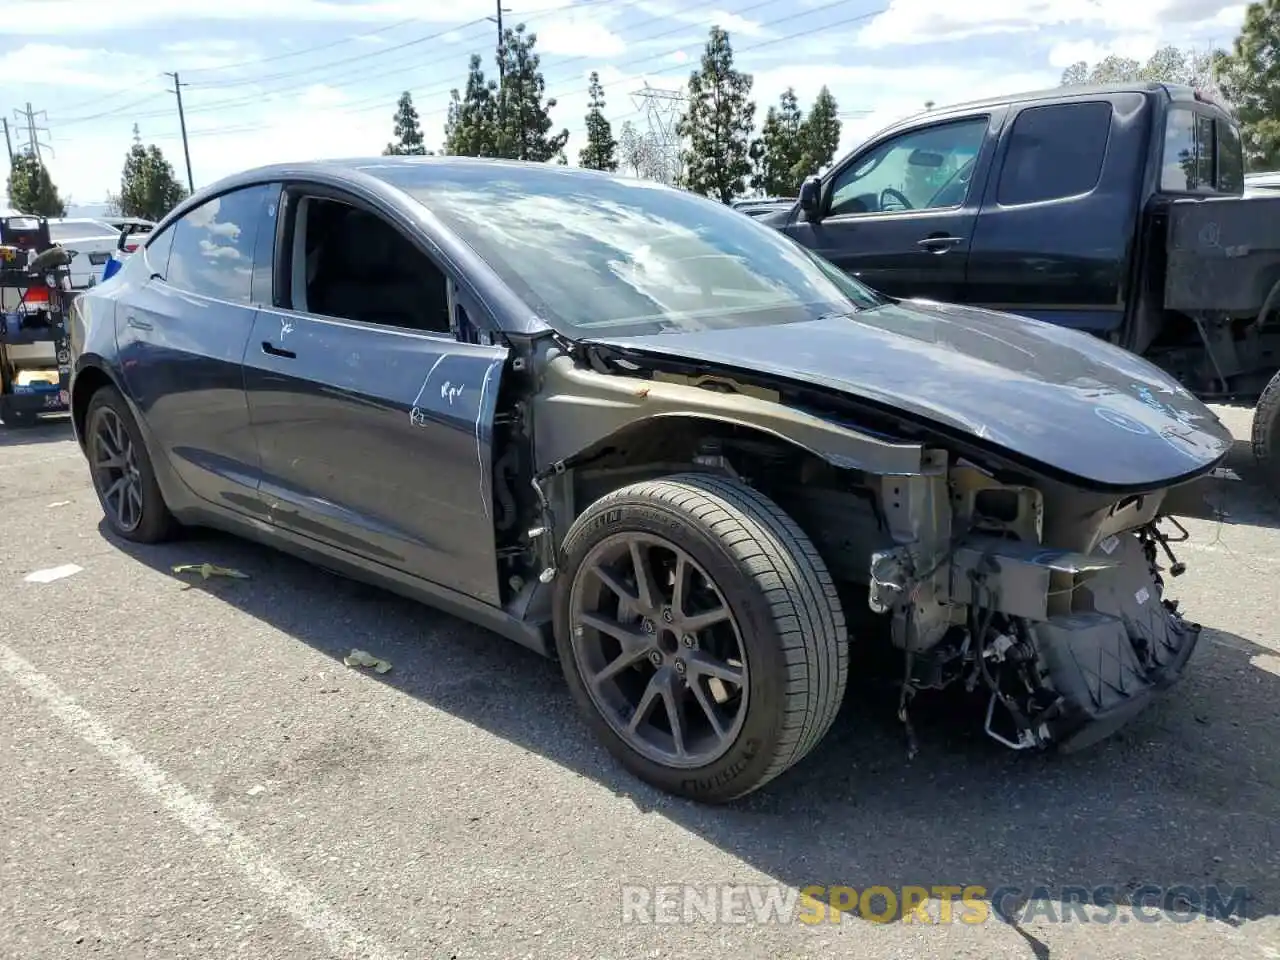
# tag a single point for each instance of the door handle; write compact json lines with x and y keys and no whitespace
{"x":273,"y":351}
{"x":939,"y":244}
{"x":137,"y":324}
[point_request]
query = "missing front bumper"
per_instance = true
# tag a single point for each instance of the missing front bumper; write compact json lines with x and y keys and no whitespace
{"x":1103,"y":641}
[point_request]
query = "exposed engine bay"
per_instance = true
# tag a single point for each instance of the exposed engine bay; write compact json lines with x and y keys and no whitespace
{"x":1043,"y":596}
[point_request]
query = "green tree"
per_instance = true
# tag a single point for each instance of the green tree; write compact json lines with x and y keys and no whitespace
{"x":472,"y":126}
{"x":1167,"y":65}
{"x":526,"y":115}
{"x":718,"y":124}
{"x":408,"y":132}
{"x":640,"y":154}
{"x":32,"y":190}
{"x":820,"y":133}
{"x":779,"y":153}
{"x":601,"y":150}
{"x":148,"y":187}
{"x":1251,"y":82}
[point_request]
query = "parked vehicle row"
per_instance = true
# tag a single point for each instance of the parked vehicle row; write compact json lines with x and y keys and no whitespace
{"x":637,"y":431}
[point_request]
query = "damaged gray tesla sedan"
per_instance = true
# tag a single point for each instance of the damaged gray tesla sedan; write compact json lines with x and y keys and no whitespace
{"x":637,"y":431}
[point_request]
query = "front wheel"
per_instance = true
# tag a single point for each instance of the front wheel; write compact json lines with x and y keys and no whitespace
{"x":1266,"y":433}
{"x":700,"y":634}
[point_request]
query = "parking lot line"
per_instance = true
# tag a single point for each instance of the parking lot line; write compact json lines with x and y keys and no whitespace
{"x":280,"y":890}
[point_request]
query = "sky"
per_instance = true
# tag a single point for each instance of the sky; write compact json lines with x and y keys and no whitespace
{"x":279,"y":80}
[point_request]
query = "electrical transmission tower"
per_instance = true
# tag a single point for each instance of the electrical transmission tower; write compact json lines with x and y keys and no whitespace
{"x":662,"y":108}
{"x":26,"y":127}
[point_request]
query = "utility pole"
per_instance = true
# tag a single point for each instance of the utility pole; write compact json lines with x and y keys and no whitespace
{"x":28,"y":119}
{"x":502,"y":74}
{"x":8,"y":140}
{"x":182,"y":122}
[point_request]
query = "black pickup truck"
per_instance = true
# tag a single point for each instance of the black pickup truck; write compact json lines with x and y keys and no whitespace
{"x":1118,"y":210}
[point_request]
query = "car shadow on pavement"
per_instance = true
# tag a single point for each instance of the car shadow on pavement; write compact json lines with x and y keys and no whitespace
{"x":47,"y":430}
{"x":1240,"y":495}
{"x":1187,"y":795}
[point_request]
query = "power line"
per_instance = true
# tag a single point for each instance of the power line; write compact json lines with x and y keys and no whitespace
{"x":379,"y":100}
{"x":80,"y":104}
{"x":356,"y":108}
{"x":243,"y":100}
{"x":305,"y":50}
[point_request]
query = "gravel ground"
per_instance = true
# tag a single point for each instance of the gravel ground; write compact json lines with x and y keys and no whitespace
{"x":191,"y":771}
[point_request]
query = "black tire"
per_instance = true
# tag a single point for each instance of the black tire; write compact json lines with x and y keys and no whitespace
{"x":156,"y":524}
{"x":785,"y":608}
{"x":1266,"y":433}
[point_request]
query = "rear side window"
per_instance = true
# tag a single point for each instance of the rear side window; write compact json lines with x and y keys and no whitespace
{"x":1202,"y":154}
{"x":213,"y":245}
{"x":1230,"y":159}
{"x":1055,"y":151}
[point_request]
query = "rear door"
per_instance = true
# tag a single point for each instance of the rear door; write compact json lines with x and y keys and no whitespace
{"x":373,"y":420}
{"x":182,"y":337}
{"x":1056,"y":228}
{"x":899,"y":213}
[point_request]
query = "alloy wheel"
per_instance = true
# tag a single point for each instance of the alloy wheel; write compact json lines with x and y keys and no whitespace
{"x":115,"y":470}
{"x":659,"y":650}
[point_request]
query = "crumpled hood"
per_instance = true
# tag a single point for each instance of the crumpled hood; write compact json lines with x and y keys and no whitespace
{"x":1062,"y":398}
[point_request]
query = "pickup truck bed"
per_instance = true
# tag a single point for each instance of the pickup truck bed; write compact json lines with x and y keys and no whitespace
{"x":1223,"y":256}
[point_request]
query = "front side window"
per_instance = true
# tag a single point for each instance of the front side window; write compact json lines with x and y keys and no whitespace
{"x":156,"y":252}
{"x":613,"y":257}
{"x":213,"y":245}
{"x":925,"y":169}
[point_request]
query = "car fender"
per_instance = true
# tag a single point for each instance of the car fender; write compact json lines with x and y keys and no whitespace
{"x":580,"y":409}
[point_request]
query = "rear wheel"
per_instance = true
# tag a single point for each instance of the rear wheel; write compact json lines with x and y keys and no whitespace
{"x":700,"y":633}
{"x":1266,"y":433}
{"x":122,"y":474}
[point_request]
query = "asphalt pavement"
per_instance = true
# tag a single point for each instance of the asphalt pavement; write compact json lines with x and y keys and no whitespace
{"x":188,"y":769}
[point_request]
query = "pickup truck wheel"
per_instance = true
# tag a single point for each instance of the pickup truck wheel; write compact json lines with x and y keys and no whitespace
{"x":700,"y":634}
{"x":1266,"y":433}
{"x":121,"y":470}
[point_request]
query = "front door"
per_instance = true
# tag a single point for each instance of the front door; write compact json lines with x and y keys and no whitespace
{"x":374,"y":423}
{"x":182,"y":340}
{"x":900,"y":215}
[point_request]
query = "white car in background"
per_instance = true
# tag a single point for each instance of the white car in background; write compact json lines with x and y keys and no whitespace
{"x":134,"y":231}
{"x":92,"y":241}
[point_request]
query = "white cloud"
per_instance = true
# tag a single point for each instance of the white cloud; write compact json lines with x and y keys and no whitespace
{"x":580,"y":35}
{"x":932,"y":21}
{"x":731,"y":22}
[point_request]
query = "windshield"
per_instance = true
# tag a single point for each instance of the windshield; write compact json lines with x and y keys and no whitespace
{"x":78,"y":229}
{"x":597,"y":256}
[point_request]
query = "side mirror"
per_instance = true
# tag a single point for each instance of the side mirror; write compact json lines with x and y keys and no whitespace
{"x":811,"y":197}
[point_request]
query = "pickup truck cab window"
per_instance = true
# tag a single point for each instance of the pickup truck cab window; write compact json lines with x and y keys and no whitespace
{"x":1055,"y":151}
{"x":925,"y":169}
{"x":1202,"y":154}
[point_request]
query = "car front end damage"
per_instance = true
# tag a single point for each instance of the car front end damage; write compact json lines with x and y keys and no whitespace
{"x":1049,"y":601}
{"x":1040,"y":590}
